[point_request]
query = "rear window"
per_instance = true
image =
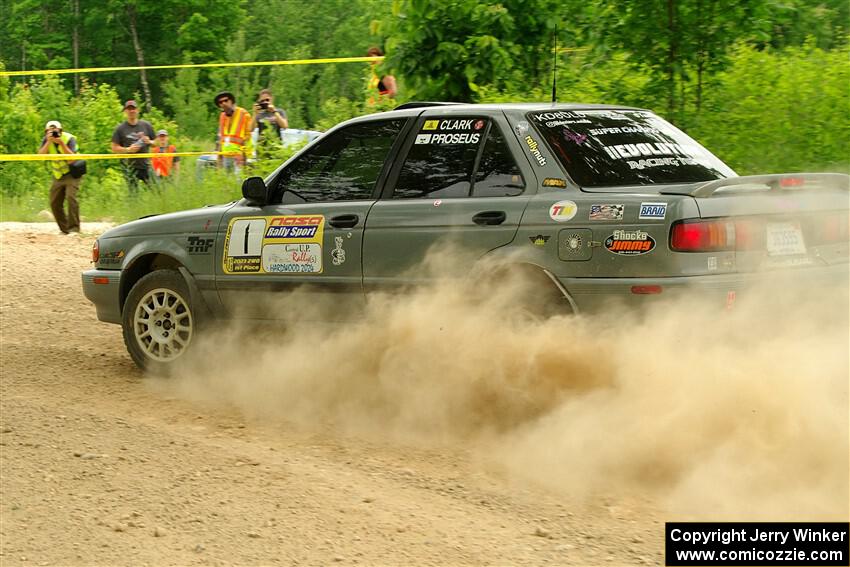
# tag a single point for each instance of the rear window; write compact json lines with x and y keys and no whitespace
{"x":600,"y":148}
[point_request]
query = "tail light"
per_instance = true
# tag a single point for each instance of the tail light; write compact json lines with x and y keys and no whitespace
{"x":702,"y":236}
{"x":95,"y":252}
{"x":831,"y":228}
{"x":792,"y":182}
{"x":717,"y":235}
{"x":740,"y":234}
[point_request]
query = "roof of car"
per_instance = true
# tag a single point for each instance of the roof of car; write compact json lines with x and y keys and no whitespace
{"x":416,"y":108}
{"x":526,"y":106}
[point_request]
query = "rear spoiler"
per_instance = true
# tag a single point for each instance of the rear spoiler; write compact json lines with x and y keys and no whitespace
{"x":768,"y":183}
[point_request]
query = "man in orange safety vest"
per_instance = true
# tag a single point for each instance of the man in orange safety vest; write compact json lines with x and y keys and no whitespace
{"x":234,"y":135}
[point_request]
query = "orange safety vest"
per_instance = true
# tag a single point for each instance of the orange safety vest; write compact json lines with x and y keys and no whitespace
{"x":162,"y":165}
{"x":233,"y":131}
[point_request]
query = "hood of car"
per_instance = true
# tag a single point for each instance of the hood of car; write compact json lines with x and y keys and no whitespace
{"x":195,"y":220}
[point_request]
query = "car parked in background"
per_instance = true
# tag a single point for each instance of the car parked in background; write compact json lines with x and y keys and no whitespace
{"x":289,"y":137}
{"x":599,"y":202}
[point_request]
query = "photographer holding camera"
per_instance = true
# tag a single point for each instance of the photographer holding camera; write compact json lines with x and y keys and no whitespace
{"x":65,"y":184}
{"x":269,"y":122}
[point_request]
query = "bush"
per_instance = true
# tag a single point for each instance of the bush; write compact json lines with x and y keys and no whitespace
{"x":779,"y":111}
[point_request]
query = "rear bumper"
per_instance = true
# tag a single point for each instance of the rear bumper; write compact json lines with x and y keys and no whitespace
{"x":592,"y":294}
{"x":102,"y":287}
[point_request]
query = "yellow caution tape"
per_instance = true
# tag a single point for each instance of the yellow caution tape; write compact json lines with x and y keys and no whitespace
{"x":68,"y":157}
{"x":192,"y":65}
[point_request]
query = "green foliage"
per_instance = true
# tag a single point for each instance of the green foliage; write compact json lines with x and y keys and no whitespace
{"x":286,"y":30}
{"x":584,"y":79}
{"x":449,"y":50}
{"x":795,"y":22}
{"x":190,"y":105}
{"x":780,"y":111}
{"x":106,"y":197}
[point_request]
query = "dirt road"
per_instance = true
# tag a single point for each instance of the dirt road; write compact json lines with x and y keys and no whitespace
{"x":103,"y":466}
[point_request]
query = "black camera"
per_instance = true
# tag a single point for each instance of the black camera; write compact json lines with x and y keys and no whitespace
{"x":55,"y":133}
{"x":264,"y":105}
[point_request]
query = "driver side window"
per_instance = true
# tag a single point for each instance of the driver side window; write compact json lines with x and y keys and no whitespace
{"x":343,"y":166}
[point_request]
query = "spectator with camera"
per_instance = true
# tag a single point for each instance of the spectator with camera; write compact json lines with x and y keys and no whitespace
{"x":66,"y":181}
{"x":268,"y":118}
{"x":133,"y":136}
{"x":269,"y":121}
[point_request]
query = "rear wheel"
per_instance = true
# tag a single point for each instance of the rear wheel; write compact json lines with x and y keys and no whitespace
{"x":158,"y":320}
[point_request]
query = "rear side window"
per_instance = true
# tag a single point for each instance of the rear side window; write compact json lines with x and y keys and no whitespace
{"x":345,"y":165}
{"x":458,"y":157}
{"x":625,"y":147}
{"x":497,"y":174}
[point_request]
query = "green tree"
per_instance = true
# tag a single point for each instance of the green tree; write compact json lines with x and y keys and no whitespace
{"x":190,"y":105}
{"x":674,"y":39}
{"x":447,"y":50}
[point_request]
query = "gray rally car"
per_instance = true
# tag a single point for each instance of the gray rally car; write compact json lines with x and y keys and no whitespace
{"x":599,"y":202}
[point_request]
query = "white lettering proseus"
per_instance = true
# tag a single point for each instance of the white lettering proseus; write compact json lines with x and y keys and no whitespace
{"x":456,"y":138}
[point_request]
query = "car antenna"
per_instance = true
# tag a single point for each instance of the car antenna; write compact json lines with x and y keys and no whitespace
{"x":555,"y":65}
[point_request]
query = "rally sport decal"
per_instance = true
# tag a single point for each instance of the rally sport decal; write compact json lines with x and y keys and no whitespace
{"x":287,"y":244}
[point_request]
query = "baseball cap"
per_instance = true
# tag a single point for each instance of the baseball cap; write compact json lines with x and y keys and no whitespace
{"x":162,"y":133}
{"x":53,"y":124}
{"x":130,"y":103}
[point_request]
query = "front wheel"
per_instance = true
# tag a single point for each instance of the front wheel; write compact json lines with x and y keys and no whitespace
{"x":158,"y":320}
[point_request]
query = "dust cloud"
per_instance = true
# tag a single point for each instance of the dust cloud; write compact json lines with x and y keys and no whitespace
{"x":715,"y":413}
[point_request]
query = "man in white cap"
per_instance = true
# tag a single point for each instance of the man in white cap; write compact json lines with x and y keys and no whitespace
{"x":65,"y":185}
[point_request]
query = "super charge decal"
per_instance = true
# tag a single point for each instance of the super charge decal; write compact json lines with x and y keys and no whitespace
{"x":286,"y":244}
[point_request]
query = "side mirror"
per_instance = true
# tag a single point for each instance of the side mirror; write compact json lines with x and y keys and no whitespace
{"x":254,"y":190}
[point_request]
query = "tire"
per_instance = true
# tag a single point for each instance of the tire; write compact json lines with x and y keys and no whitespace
{"x":158,"y":321}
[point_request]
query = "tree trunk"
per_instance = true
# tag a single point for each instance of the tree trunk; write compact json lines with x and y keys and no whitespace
{"x":140,"y":56}
{"x":75,"y":8}
{"x":671,"y":59}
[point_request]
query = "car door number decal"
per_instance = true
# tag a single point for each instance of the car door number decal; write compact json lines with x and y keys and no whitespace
{"x":282,"y":244}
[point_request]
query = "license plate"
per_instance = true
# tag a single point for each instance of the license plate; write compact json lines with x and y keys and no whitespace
{"x":784,"y":239}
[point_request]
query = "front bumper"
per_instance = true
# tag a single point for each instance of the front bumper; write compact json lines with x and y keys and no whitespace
{"x":102,"y":287}
{"x":594,"y":294}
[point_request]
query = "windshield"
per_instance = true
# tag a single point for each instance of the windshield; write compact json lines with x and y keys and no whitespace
{"x":600,"y":148}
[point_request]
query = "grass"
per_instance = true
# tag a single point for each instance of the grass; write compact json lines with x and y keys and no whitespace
{"x":106,"y":197}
